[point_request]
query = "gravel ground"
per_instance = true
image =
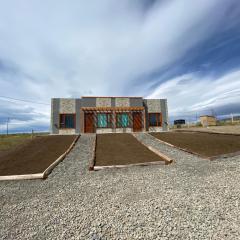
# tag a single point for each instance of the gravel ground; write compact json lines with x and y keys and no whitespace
{"x":189,"y":199}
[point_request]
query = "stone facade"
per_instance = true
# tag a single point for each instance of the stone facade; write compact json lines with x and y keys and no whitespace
{"x":153,"y":105}
{"x":104,"y":130}
{"x":122,"y":102}
{"x":55,"y":115}
{"x":124,"y":130}
{"x":79,"y":106}
{"x":164,"y":111}
{"x":103,"y":102}
{"x":67,"y":105}
{"x":67,"y":131}
{"x":155,"y":129}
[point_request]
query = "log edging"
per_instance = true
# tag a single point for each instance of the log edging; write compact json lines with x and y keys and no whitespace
{"x":96,"y":168}
{"x":93,"y":158}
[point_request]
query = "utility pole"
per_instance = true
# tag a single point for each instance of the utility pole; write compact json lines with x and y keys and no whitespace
{"x":232,"y":117}
{"x":7,"y":124}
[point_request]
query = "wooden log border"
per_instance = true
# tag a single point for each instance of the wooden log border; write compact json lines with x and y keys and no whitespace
{"x":227,"y":155}
{"x":46,"y":172}
{"x":93,"y":157}
{"x":59,"y":159}
{"x":96,"y":168}
{"x":22,"y":177}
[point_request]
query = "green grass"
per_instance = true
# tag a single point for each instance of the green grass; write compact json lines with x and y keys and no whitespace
{"x":9,"y":141}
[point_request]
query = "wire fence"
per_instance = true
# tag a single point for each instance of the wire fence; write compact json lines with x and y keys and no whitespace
{"x":14,"y":128}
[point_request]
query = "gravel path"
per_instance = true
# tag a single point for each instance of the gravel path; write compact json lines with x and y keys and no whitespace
{"x":190,"y":199}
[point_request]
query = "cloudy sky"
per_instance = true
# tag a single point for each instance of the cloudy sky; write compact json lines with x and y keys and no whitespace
{"x":183,"y":50}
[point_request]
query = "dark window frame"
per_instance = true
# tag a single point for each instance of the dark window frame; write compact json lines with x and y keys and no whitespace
{"x":109,"y":119}
{"x":62,"y":125}
{"x":158,"y":117}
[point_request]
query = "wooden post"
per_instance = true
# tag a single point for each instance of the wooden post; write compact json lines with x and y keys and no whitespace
{"x":32,"y":133}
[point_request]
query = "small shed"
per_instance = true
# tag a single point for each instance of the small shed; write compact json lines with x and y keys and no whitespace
{"x":207,"y":120}
{"x":179,"y":122}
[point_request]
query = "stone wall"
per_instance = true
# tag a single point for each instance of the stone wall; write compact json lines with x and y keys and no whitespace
{"x":67,"y":131}
{"x":153,"y":105}
{"x":103,"y":102}
{"x":136,"y":102}
{"x":122,"y":102}
{"x":104,"y":130}
{"x":78,"y":119}
{"x":67,"y":105}
{"x":164,"y":109}
{"x":124,"y":130}
{"x":155,"y":129}
{"x":55,"y":102}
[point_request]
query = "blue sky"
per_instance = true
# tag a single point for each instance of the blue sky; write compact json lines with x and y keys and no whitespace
{"x":186,"y":51}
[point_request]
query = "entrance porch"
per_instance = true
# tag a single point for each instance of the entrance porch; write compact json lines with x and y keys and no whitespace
{"x":113,"y":119}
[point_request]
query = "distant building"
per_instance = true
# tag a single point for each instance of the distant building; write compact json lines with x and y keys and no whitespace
{"x":207,"y":120}
{"x":179,"y":122}
{"x":108,"y":114}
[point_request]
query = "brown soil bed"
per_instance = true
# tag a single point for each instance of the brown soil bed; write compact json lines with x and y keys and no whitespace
{"x":34,"y":156}
{"x":122,"y":149}
{"x":204,"y":144}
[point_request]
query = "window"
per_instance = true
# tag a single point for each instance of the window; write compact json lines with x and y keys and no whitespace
{"x":104,"y":120}
{"x":155,"y":119}
{"x":67,"y":120}
{"x":122,"y":120}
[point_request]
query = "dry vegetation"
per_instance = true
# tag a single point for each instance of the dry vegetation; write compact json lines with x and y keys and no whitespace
{"x":9,"y":141}
{"x":234,"y":129}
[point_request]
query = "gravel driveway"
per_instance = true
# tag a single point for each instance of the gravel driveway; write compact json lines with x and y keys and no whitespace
{"x":189,"y":199}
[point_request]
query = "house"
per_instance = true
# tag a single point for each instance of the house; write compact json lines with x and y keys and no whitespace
{"x":107,"y":115}
{"x":207,"y":120}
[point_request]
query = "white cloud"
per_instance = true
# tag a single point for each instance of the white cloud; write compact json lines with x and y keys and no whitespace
{"x":193,"y":93}
{"x":72,"y":48}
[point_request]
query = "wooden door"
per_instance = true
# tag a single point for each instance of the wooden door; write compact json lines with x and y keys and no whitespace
{"x":89,"y":123}
{"x":137,"y":121}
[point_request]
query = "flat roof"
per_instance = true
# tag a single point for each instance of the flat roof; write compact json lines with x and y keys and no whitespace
{"x":109,"y":97}
{"x":112,"y":108}
{"x":208,"y":116}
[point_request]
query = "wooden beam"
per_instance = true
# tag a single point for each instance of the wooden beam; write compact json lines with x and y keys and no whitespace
{"x":112,"y":109}
{"x":129,"y":165}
